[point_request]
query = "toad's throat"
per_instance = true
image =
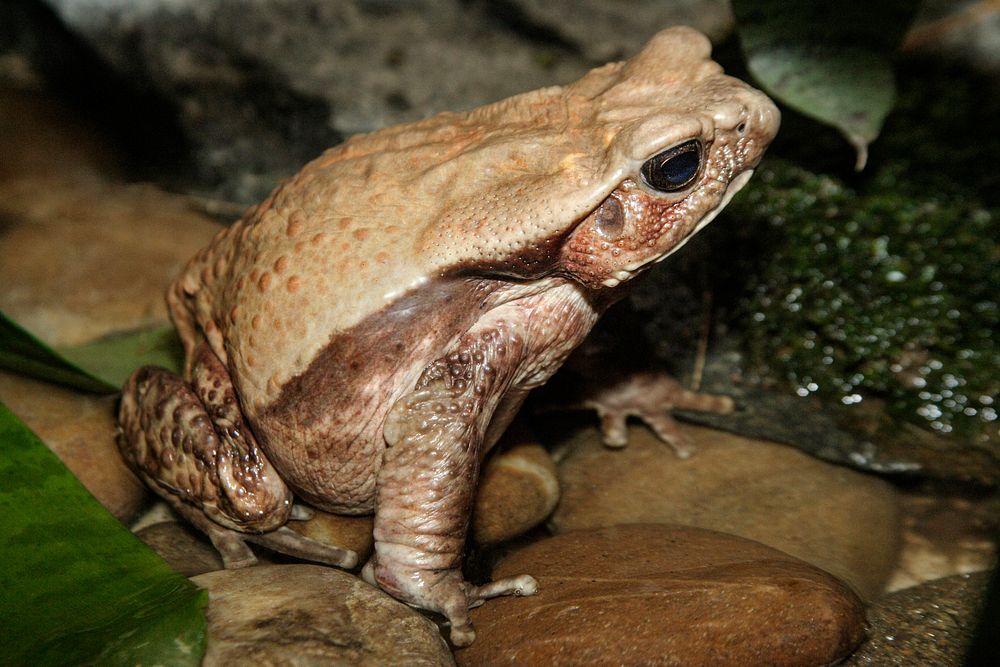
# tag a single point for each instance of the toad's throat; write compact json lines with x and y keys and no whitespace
{"x":629,"y":271}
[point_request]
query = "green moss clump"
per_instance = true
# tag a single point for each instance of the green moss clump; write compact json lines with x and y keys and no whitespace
{"x":876,"y":293}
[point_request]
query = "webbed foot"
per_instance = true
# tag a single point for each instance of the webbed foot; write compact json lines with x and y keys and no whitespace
{"x":650,"y":397}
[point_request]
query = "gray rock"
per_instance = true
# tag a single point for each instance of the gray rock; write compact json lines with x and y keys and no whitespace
{"x":311,"y":615}
{"x":261,"y":87}
{"x":930,"y":624}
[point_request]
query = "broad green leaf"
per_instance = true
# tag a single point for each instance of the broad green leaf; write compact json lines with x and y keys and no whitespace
{"x":22,"y":353}
{"x":828,"y":59}
{"x":114,"y":357}
{"x":101,"y":366}
{"x":78,"y":588}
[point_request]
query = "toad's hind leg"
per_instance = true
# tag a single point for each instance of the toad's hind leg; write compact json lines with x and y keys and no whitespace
{"x":190,"y":444}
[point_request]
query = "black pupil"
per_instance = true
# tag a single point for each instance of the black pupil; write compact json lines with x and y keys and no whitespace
{"x":680,"y":168}
{"x":673,"y":169}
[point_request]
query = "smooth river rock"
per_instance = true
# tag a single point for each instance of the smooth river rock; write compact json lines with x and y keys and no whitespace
{"x":650,"y":594}
{"x":517,"y":490}
{"x":298,"y":615}
{"x":842,"y":521}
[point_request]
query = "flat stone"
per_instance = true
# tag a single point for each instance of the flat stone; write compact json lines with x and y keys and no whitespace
{"x":310,"y":615}
{"x":83,"y":254}
{"x":929,"y":624}
{"x":945,"y":532}
{"x":650,"y":594}
{"x":842,"y":521}
{"x":81,"y":260}
{"x":80,"y":430}
{"x":517,"y":491}
{"x":185,"y":549}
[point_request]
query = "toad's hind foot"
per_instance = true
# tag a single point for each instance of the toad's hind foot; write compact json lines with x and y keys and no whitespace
{"x":190,"y":444}
{"x":286,"y":541}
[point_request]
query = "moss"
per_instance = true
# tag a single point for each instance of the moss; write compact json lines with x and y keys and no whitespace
{"x":877,"y":292}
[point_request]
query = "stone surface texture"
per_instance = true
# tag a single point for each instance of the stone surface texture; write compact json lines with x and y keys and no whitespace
{"x":80,"y":430}
{"x":517,"y":490}
{"x":839,"y":520}
{"x":262,"y":87}
{"x":300,"y":615}
{"x":60,"y":201}
{"x":665,"y":595}
{"x":929,"y":624}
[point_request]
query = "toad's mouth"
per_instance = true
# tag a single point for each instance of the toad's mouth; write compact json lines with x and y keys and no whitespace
{"x":627,"y":272}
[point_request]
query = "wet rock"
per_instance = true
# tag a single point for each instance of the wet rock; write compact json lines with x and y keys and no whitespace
{"x":312,"y":615}
{"x":348,"y":532}
{"x":80,"y":430}
{"x":929,"y":624}
{"x":665,"y":595}
{"x":517,"y":490}
{"x":834,"y":518}
{"x":184,"y":548}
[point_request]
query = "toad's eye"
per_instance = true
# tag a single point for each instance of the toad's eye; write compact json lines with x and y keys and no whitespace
{"x":675,"y":168}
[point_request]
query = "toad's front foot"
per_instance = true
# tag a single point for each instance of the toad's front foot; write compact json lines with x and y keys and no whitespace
{"x":445,"y":592}
{"x":650,"y":397}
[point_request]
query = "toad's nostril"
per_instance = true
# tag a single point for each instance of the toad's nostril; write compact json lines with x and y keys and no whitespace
{"x":742,"y":127}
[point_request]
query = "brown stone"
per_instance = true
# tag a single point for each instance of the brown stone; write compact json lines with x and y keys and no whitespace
{"x":312,"y":615}
{"x":517,"y":490}
{"x":184,"y":548}
{"x":842,"y":521}
{"x":82,"y":260}
{"x":80,"y":430}
{"x":81,"y":253}
{"x":347,"y":532}
{"x":665,"y":595}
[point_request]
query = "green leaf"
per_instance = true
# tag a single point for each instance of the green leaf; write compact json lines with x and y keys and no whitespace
{"x":828,"y":59}
{"x":22,"y":353}
{"x":101,"y":366}
{"x":114,"y":357}
{"x":78,"y":588}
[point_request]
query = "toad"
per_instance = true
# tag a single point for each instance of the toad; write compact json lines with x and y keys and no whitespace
{"x":361,"y":338}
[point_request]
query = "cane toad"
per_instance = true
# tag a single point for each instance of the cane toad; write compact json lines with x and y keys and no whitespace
{"x":361,"y":338}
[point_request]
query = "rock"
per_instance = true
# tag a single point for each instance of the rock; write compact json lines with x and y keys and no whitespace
{"x":184,"y":548}
{"x":652,"y":594}
{"x":348,"y":532}
{"x":945,"y":532}
{"x":517,"y":490}
{"x":929,"y":624}
{"x":80,"y":430}
{"x":839,"y":520}
{"x":261,"y":88}
{"x":84,"y":259}
{"x":312,"y":615}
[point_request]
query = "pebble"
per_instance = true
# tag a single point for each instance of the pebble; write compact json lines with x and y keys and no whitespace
{"x":929,"y":624}
{"x":299,"y":615}
{"x":517,"y":491}
{"x":185,"y":549}
{"x":651,"y":594}
{"x":839,"y":520}
{"x":80,"y":430}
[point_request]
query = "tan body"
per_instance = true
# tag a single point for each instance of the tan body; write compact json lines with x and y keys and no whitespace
{"x":363,"y":336}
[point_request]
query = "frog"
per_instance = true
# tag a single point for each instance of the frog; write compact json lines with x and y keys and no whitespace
{"x":359,"y":340}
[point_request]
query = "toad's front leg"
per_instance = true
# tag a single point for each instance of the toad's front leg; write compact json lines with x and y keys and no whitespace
{"x":427,"y":483}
